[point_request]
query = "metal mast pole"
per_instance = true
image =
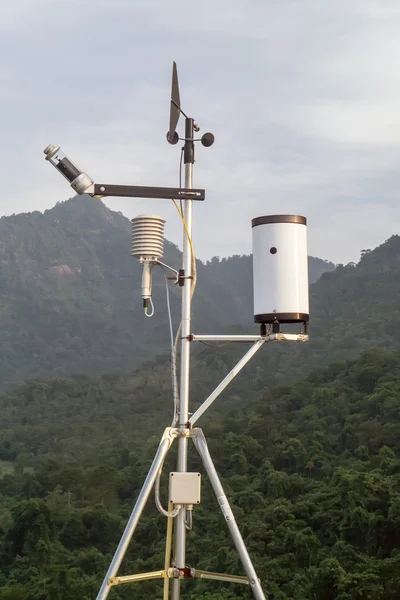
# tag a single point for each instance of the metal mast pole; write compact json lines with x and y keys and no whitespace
{"x":180,"y":532}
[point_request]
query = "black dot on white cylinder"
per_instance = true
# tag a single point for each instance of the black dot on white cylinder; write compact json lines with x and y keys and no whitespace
{"x":280,"y":270}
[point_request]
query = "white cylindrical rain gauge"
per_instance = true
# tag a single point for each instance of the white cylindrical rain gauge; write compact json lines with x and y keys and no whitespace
{"x":147,"y":237}
{"x":280,"y":269}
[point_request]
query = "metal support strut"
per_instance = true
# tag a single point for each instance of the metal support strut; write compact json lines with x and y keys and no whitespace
{"x":225,"y":382}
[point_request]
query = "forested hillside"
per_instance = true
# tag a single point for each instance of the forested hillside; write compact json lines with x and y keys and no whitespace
{"x":71,"y":301}
{"x":70,"y":294}
{"x":312,"y":469}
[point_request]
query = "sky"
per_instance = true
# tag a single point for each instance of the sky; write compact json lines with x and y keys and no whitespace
{"x":303,"y":97}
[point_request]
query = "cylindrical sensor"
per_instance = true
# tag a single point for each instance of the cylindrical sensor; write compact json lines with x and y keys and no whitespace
{"x":61,"y":162}
{"x":79,"y":181}
{"x":280,"y":269}
{"x":148,"y":237}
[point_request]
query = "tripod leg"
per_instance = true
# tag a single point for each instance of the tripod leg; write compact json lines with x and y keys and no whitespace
{"x":158,"y":460}
{"x":202,"y":448}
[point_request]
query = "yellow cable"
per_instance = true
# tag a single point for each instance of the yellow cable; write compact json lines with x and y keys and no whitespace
{"x":168,"y":546}
{"x":194,"y":270}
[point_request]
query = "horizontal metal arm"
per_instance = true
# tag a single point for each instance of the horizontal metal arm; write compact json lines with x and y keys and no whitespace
{"x":226,"y":338}
{"x":138,"y":191}
{"x":273,"y":337}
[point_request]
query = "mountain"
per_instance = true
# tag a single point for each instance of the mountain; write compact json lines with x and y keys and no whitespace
{"x":70,"y":294}
{"x":312,"y":470}
{"x":311,"y":467}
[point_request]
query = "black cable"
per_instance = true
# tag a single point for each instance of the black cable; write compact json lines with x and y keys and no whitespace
{"x":180,"y":168}
{"x":224,"y":343}
{"x":180,"y":177}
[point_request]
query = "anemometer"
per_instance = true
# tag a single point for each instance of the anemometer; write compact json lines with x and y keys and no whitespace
{"x":280,"y":289}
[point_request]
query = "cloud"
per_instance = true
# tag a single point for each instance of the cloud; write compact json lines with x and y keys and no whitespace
{"x":13,"y":12}
{"x":301,"y":95}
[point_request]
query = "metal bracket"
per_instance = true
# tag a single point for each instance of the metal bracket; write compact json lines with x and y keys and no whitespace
{"x":174,"y":573}
{"x":272,"y":337}
{"x":138,"y":191}
{"x":226,"y":381}
{"x":189,"y":573}
{"x":164,"y":266}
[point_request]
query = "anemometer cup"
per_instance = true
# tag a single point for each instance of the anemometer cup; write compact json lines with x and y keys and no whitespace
{"x":207,"y":139}
{"x":174,"y":140}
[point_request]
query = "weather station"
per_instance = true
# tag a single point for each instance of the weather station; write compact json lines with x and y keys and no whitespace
{"x":280,"y":289}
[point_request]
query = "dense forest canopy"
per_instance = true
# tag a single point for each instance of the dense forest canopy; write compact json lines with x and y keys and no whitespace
{"x":312,"y":469}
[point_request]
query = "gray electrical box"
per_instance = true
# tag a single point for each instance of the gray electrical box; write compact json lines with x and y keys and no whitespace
{"x":184,"y":488}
